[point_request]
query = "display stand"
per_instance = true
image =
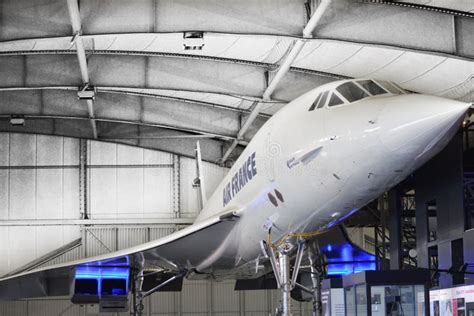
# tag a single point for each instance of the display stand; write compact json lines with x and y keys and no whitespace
{"x":393,"y":292}
{"x":332,"y":297}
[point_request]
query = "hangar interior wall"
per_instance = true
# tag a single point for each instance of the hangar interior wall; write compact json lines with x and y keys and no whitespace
{"x":40,"y":191}
{"x":133,"y":195}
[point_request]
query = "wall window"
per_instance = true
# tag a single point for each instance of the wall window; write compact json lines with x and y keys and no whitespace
{"x":433,"y":265}
{"x":361,"y":299}
{"x":349,"y":295}
{"x":431,"y":211}
{"x":457,"y":260}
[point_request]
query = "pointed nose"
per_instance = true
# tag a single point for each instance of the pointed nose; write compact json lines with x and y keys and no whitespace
{"x":415,"y":124}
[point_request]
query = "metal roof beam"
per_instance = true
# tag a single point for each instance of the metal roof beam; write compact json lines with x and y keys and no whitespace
{"x":81,"y":56}
{"x":55,"y":46}
{"x":296,"y":49}
{"x":152,"y":93}
{"x":420,"y":5}
{"x":128,"y":122}
{"x":282,"y":70}
{"x":212,"y":147}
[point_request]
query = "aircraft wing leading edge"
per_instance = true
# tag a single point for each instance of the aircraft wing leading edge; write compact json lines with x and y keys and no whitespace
{"x":174,"y":253}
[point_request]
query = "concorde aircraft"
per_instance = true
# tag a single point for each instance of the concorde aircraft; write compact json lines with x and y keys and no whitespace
{"x":318,"y":160}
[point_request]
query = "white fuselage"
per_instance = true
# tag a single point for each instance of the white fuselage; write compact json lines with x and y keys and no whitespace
{"x":319,"y":159}
{"x":324,"y":164}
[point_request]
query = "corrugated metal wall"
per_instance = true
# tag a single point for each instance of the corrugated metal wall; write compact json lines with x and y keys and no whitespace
{"x":37,"y":177}
{"x":40,"y":184}
{"x":129,"y":182}
{"x":197,"y":298}
{"x":38,"y":180}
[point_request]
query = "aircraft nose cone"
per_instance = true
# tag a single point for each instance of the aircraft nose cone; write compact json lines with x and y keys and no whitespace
{"x":414,"y":124}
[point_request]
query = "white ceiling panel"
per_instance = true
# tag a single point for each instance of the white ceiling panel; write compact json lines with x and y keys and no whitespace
{"x":421,"y":72}
{"x":367,"y":61}
{"x":452,"y":78}
{"x":325,"y":56}
{"x":414,"y":65}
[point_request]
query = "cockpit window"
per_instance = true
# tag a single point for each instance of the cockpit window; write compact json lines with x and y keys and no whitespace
{"x":351,"y":92}
{"x":398,"y":87}
{"x":315,"y":103}
{"x":334,"y":100}
{"x":371,"y":87}
{"x":392,"y":88}
{"x":320,"y":101}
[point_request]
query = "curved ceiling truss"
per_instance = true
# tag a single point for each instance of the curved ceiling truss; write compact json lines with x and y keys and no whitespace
{"x":156,"y":85}
{"x":332,"y":59}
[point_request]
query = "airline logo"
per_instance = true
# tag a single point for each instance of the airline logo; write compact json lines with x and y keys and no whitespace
{"x":244,"y":174}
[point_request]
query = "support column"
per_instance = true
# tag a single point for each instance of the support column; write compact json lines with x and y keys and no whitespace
{"x":138,"y":278}
{"x":281,"y":269}
{"x":83,"y":205}
{"x":316,"y":278}
{"x":395,"y":229}
{"x":382,"y":204}
{"x":176,"y":186}
{"x":376,"y":247}
{"x":284,"y":261}
{"x":422,"y":234}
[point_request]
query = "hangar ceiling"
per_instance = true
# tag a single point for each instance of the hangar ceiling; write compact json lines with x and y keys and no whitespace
{"x":166,"y":73}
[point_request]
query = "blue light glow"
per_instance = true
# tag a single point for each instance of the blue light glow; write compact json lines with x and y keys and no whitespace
{"x":114,"y":269}
{"x":346,"y":258}
{"x":101,"y":273}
